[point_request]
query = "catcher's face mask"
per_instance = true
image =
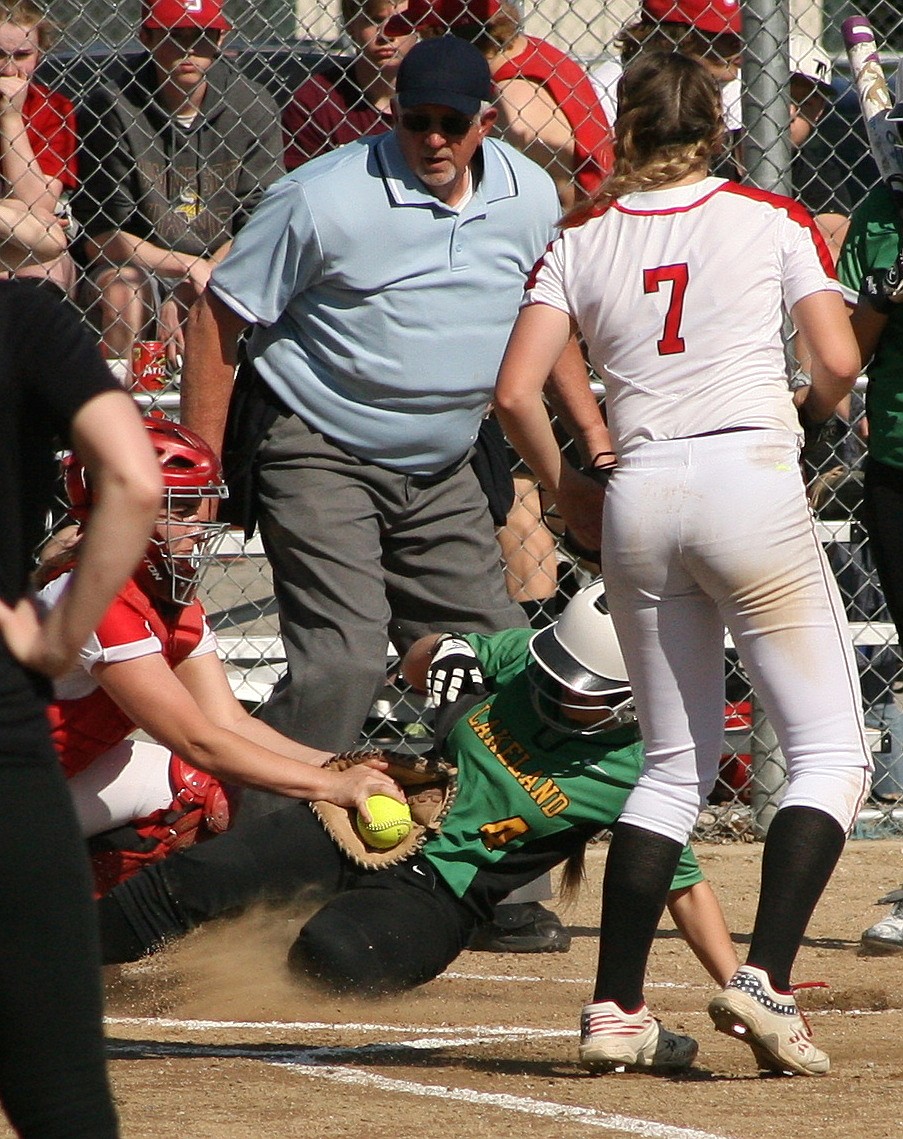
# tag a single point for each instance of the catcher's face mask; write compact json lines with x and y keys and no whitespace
{"x":580,"y":713}
{"x":181,"y":547}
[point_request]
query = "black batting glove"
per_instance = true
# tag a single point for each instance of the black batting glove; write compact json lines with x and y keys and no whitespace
{"x":883,"y":288}
{"x":817,"y":431}
{"x":454,"y":671}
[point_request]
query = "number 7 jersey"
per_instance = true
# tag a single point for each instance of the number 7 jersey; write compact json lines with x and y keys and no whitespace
{"x":681,"y":296}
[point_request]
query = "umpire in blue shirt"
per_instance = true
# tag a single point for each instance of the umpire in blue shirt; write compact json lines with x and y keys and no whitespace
{"x":380,"y":282}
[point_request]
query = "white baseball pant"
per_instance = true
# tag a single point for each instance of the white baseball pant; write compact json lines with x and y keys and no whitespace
{"x":714,"y":531}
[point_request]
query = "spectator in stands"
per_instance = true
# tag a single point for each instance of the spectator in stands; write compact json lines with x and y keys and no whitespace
{"x":546,"y":102}
{"x":175,"y":155}
{"x":151,"y":664}
{"x":819,"y":180}
{"x":375,"y":334}
{"x":342,"y":102}
{"x":871,"y":263}
{"x":37,"y":130}
{"x":53,"y":385}
{"x":708,"y":30}
{"x":29,"y":235}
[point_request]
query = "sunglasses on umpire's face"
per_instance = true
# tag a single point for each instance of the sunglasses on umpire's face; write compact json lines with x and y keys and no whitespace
{"x":451,"y":124}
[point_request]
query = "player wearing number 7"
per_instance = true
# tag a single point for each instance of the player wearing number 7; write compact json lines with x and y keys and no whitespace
{"x":679,"y":282}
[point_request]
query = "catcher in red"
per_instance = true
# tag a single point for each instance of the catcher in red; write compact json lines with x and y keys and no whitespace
{"x":152,"y":664}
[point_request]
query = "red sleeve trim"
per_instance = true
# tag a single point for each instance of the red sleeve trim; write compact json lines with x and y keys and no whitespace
{"x":795,"y":211}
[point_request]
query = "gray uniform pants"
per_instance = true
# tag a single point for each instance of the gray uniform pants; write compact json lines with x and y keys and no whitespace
{"x":362,"y":555}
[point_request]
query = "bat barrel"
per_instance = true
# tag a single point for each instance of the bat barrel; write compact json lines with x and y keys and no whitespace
{"x":875,"y":103}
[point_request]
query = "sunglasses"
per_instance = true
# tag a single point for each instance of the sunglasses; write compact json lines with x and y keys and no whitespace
{"x":450,"y":125}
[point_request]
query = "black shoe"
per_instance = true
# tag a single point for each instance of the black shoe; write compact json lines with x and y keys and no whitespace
{"x":526,"y":927}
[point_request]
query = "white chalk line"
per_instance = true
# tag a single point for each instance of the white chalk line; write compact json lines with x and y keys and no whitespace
{"x":588,"y":1116}
{"x":313,"y":1062}
{"x":310,"y":1062}
{"x":585,"y":981}
{"x":490,"y":1032}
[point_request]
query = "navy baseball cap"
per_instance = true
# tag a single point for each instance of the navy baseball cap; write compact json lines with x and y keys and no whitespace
{"x":447,"y":72}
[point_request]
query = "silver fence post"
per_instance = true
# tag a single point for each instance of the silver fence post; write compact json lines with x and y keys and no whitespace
{"x":766,"y":88}
{"x":766,"y":154}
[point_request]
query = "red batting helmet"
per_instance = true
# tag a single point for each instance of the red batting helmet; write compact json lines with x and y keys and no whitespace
{"x":181,"y":544}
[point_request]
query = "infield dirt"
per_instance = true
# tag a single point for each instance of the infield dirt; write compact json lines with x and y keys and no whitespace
{"x":212,"y":1039}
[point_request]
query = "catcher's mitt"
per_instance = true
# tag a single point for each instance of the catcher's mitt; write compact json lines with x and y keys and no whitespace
{"x":429,"y":784}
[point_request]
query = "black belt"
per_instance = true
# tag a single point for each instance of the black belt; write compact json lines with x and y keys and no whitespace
{"x":719,"y":431}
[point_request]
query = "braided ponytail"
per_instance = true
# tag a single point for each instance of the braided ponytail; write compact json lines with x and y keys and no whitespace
{"x":669,"y":125}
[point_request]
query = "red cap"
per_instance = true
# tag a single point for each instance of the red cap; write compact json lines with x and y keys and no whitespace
{"x":719,"y":17}
{"x":443,"y":14}
{"x":167,"y":14}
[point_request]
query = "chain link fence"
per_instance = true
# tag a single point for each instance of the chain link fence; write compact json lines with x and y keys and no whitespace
{"x":277,"y":45}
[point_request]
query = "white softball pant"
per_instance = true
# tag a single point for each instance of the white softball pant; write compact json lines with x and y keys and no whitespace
{"x":130,"y":781}
{"x":715,"y":531}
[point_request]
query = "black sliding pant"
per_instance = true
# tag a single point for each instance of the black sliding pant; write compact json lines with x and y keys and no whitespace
{"x":380,"y":931}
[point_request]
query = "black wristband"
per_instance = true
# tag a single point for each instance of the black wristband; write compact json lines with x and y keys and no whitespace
{"x":600,"y":475}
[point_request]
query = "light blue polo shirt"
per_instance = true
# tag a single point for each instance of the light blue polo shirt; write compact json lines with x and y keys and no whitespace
{"x":381,"y":314}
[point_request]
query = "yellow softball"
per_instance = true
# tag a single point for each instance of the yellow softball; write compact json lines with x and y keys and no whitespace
{"x":391,"y":822}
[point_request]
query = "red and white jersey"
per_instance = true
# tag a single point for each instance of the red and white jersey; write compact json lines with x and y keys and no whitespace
{"x":85,"y":722}
{"x":681,"y":295}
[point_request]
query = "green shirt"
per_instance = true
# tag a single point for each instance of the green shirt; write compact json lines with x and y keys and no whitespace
{"x":873,"y":242}
{"x":548,"y":792}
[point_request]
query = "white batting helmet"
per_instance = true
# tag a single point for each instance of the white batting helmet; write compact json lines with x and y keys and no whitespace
{"x":578,"y":667}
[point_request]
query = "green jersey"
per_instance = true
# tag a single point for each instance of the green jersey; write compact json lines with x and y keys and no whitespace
{"x":873,"y":242}
{"x":528,"y":795}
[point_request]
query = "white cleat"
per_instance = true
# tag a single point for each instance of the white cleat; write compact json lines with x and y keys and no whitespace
{"x":615,"y":1041}
{"x":770,"y":1022}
